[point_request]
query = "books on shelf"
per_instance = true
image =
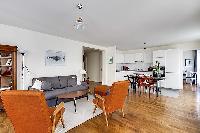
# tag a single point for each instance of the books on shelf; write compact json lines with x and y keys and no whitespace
{"x":4,"y":88}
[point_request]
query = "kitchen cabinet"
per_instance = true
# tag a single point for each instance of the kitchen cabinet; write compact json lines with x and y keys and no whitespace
{"x":119,"y":58}
{"x":138,"y":57}
{"x":159,"y":56}
{"x":148,"y":57}
{"x":133,"y":58}
{"x":129,"y":58}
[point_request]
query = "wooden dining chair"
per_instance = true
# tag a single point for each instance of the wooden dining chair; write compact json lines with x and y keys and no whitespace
{"x":29,"y":113}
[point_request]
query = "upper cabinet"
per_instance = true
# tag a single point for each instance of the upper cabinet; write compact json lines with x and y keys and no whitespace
{"x":148,"y":57}
{"x":133,"y":58}
{"x":160,"y":56}
{"x":129,"y":58}
{"x":139,"y":57}
{"x":119,"y":58}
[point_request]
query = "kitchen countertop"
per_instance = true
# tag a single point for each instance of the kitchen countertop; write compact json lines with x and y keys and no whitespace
{"x":133,"y":70}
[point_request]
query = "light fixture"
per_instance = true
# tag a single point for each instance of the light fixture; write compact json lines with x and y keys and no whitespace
{"x":79,"y":24}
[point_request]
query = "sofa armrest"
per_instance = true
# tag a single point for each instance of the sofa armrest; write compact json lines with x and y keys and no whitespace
{"x":29,"y":87}
{"x":84,"y":83}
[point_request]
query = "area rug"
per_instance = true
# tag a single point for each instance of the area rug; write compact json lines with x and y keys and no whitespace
{"x":84,"y":112}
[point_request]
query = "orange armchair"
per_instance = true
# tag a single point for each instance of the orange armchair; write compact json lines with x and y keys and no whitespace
{"x":29,"y":113}
{"x":112,"y":101}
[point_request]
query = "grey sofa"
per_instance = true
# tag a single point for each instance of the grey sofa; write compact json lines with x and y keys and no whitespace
{"x":54,"y":86}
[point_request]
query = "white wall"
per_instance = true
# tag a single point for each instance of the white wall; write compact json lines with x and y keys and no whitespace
{"x":111,"y":68}
{"x":37,"y":43}
{"x":94,"y":65}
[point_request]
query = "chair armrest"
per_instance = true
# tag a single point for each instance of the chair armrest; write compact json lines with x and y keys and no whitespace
{"x":59,"y":108}
{"x":100,"y":97}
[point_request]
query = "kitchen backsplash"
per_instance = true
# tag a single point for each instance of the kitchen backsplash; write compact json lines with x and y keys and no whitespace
{"x":134,"y":66}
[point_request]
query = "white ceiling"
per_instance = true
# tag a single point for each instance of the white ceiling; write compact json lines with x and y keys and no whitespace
{"x":124,"y":23}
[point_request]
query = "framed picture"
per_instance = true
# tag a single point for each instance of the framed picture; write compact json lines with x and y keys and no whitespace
{"x":54,"y":58}
{"x":188,"y":62}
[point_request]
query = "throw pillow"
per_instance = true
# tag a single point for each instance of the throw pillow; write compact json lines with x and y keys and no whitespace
{"x":37,"y":84}
{"x":46,"y":86}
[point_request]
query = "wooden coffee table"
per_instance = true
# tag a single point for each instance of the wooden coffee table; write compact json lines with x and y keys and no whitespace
{"x":73,"y":95}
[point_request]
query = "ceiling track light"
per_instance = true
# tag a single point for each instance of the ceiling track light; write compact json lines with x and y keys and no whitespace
{"x":79,"y":25}
{"x":79,"y":6}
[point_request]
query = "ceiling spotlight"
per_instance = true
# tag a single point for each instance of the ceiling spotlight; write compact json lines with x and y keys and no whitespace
{"x":79,"y":24}
{"x":80,"y":6}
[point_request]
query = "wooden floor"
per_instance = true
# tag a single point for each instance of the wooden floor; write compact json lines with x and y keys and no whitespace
{"x":144,"y":115}
{"x":154,"y":115}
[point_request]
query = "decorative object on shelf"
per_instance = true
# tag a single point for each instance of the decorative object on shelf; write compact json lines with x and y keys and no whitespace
{"x":9,"y":62}
{"x":55,"y":58}
{"x":79,"y":24}
{"x":188,"y":62}
{"x":110,"y":60}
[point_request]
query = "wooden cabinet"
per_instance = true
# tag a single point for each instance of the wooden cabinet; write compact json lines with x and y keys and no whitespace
{"x":8,"y":67}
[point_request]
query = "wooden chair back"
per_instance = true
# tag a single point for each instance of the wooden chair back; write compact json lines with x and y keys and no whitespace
{"x":118,"y":92}
{"x":27,"y":111}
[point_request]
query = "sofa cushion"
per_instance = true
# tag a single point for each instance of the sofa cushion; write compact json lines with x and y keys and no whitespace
{"x":46,"y":86}
{"x":72,"y":80}
{"x":54,"y":93}
{"x":53,"y":80}
{"x":75,"y":88}
{"x":63,"y":81}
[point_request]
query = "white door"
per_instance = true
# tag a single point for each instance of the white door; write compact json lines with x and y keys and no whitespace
{"x":173,"y":69}
{"x":198,"y":67}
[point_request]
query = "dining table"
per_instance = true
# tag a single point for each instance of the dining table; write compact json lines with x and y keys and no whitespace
{"x":133,"y":80}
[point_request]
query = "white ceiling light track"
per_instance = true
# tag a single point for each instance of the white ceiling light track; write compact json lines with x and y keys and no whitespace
{"x":79,"y":23}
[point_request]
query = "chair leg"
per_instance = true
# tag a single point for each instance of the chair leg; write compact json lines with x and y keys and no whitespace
{"x":94,"y":109}
{"x":123,"y":112}
{"x":106,"y":117}
{"x":149,"y":91}
{"x":62,"y":121}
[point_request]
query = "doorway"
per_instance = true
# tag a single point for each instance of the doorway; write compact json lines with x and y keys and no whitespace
{"x":92,"y":63}
{"x":190,"y":67}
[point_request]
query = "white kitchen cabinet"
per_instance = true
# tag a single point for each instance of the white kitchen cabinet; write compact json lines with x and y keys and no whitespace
{"x":159,"y":56}
{"x":119,"y":58}
{"x":132,"y":58}
{"x":129,"y":58}
{"x":148,"y":57}
{"x":138,"y":57}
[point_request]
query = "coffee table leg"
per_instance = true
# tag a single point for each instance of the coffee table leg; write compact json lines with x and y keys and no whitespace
{"x":87,"y":97}
{"x":75,"y":104}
